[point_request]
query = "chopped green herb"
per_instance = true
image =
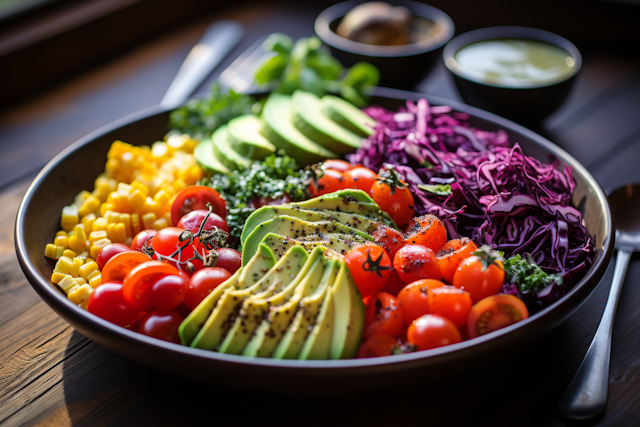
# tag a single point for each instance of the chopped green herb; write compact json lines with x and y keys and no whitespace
{"x":438,"y":189}
{"x":527,"y":275}
{"x":278,"y":177}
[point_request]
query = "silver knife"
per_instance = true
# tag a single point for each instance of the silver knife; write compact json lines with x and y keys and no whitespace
{"x":217,"y":41}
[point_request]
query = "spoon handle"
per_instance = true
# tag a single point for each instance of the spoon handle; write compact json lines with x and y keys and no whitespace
{"x":586,"y":396}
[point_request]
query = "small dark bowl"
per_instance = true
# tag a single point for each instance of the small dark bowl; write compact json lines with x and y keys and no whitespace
{"x":401,"y":67}
{"x":526,"y":105}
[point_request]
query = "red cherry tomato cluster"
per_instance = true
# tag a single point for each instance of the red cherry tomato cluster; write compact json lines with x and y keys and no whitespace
{"x":386,"y":188}
{"x":153,"y":284}
{"x":423,"y":292}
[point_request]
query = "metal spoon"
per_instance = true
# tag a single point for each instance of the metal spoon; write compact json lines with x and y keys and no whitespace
{"x":586,"y":396}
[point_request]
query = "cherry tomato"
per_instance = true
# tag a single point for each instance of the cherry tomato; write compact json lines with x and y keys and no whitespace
{"x":145,"y":237}
{"x":414,"y":299}
{"x":394,"y":284}
{"x":383,"y":316}
{"x":370,"y":267}
{"x":427,"y":230}
{"x":202,"y":283}
{"x":432,"y":331}
{"x":337,"y":165}
{"x":416,"y":262}
{"x":495,"y":312}
{"x":330,"y":181}
{"x":389,"y":238}
{"x":109,"y":251}
{"x":117,"y":268}
{"x":481,"y":275}
{"x":229,"y":259}
{"x":167,"y":241}
{"x":161,"y":324}
{"x":193,"y":220}
{"x":136,"y":286}
{"x":452,"y":254}
{"x":394,"y":197}
{"x":168,"y":292}
{"x":451,"y":303}
{"x":376,"y":346}
{"x":360,"y":177}
{"x":106,"y":302}
{"x":197,"y":197}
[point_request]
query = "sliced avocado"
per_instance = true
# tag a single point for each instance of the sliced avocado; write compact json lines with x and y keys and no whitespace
{"x":351,"y":201}
{"x":277,"y":279}
{"x":295,"y":227}
{"x":203,"y":154}
{"x":265,"y":213}
{"x":318,"y":342}
{"x":280,"y":308}
{"x":348,"y":115}
{"x":348,"y":322}
{"x":303,"y":322}
{"x":276,"y":126}
{"x":244,"y":137}
{"x":336,"y":243}
{"x":225,"y":154}
{"x":309,"y":119}
{"x":192,"y":328}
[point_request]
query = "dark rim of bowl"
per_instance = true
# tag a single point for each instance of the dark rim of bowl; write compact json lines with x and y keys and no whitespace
{"x":58,"y":301}
{"x":328,"y":16}
{"x":493,"y":33}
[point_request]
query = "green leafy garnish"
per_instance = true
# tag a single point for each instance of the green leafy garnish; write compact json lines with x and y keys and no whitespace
{"x":276,"y":177}
{"x":307,"y":65}
{"x":200,"y":117}
{"x":527,"y":275}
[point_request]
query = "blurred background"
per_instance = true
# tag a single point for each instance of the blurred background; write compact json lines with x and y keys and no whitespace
{"x":44,"y":42}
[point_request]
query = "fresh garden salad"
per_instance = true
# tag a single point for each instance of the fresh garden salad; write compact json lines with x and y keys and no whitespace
{"x":301,"y":226}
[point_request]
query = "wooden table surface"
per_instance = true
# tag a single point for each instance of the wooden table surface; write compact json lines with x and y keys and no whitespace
{"x":51,"y":375}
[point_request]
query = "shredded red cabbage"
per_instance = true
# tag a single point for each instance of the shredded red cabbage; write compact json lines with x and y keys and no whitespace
{"x":498,"y":196}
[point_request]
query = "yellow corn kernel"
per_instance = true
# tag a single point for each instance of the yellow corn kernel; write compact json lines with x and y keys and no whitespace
{"x":136,"y":199}
{"x":97,"y":247}
{"x":137,"y":185}
{"x":120,"y":233}
{"x":92,"y":274}
{"x":57,"y":277}
{"x":61,"y":240}
{"x":125,"y":219}
{"x":88,"y":221}
{"x":69,"y":253}
{"x":95,"y":280}
{"x":83,"y":256}
{"x":120,"y":203}
{"x":100,"y":224}
{"x":105,"y":207}
{"x":123,"y":189}
{"x":167,"y":217}
{"x":64,"y":265}
{"x":136,"y":224}
{"x":150,"y":206}
{"x":69,"y":217}
{"x":80,"y":294}
{"x":162,"y":197}
{"x":52,"y":251}
{"x":90,"y":205}
{"x":148,"y":219}
{"x":111,"y":233}
{"x":79,"y":232}
{"x":76,"y":244}
{"x":61,"y":233}
{"x":79,"y":281}
{"x":112,"y":217}
{"x":191,"y":174}
{"x":89,"y":259}
{"x":160,"y":223}
{"x":94,"y":236}
{"x":86,"y":269}
{"x":81,"y":197}
{"x":161,"y":151}
{"x":67,"y":283}
{"x":77,"y":263}
{"x":83,"y":305}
